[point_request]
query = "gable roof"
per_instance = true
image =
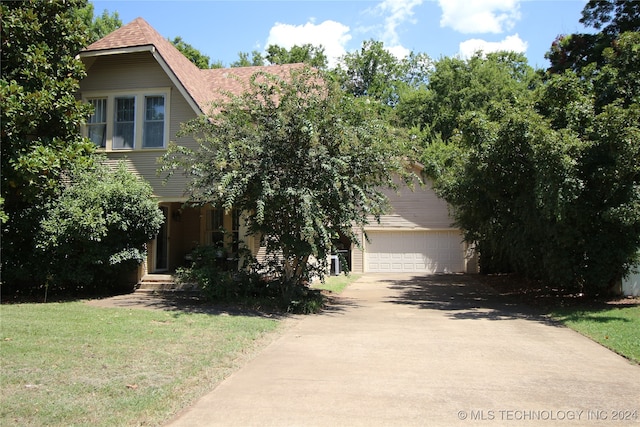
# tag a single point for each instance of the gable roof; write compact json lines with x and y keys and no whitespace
{"x":199,"y":87}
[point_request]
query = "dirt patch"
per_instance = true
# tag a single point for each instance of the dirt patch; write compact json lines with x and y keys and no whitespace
{"x":534,"y":293}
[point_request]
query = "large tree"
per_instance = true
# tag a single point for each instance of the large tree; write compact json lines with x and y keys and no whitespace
{"x":43,"y":154}
{"x":304,"y":161}
{"x":40,"y":117}
{"x":541,"y":173}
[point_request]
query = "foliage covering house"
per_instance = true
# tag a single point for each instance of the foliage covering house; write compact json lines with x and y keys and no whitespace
{"x":142,"y":88}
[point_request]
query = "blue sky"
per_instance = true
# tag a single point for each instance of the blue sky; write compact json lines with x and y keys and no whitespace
{"x":221,"y":29}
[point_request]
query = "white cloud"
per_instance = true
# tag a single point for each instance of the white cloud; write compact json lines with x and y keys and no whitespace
{"x":511,"y":43}
{"x":397,"y":12}
{"x":398,"y":51}
{"x":332,"y":35}
{"x":479,"y":16}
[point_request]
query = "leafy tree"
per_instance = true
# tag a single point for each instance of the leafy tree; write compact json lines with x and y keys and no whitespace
{"x":99,"y":26}
{"x":576,"y":51}
{"x":372,"y":71}
{"x":244,"y":60}
{"x":101,"y":223}
{"x":40,"y":117}
{"x":456,"y":86}
{"x":543,"y":175}
{"x":194,"y":55}
{"x":44,"y":155}
{"x":302,"y":159}
{"x":307,"y":53}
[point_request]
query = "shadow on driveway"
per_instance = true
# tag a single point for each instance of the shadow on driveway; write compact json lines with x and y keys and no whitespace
{"x":463,"y":296}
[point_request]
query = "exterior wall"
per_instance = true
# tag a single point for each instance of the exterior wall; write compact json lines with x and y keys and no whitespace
{"x":411,"y":210}
{"x":631,"y":283}
{"x":137,"y":72}
{"x":417,"y":209}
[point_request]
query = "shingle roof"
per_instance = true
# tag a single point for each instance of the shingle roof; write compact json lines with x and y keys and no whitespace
{"x":203,"y":86}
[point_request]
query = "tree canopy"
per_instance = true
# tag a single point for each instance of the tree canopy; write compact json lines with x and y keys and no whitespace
{"x":41,"y":118}
{"x":304,"y":161}
{"x":541,"y":169}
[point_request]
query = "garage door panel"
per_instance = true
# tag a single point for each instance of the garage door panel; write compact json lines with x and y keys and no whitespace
{"x":422,"y":252}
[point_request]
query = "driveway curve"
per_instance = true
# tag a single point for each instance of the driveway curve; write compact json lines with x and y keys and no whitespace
{"x":441,"y":350}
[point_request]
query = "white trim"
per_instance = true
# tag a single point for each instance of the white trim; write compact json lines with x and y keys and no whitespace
{"x":139,"y":96}
{"x":105,"y":52}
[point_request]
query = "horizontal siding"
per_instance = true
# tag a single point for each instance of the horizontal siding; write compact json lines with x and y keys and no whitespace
{"x":138,"y":71}
{"x":417,"y":209}
{"x":131,"y":71}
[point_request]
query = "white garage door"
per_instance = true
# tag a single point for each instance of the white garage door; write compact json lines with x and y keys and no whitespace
{"x":414,"y":252}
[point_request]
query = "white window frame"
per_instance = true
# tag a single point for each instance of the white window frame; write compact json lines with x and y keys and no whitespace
{"x":140,"y":97}
{"x":93,"y":120}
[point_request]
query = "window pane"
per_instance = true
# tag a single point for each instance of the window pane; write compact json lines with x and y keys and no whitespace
{"x":98,"y":134}
{"x":125,"y":109}
{"x":154,"y":108}
{"x":153,"y":132}
{"x":123,"y":135}
{"x":124,"y":127}
{"x":97,"y":125}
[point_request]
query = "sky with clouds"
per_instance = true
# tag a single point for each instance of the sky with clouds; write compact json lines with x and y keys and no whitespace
{"x":222,"y":29}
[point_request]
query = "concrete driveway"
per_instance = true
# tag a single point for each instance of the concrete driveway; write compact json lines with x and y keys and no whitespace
{"x":425,"y":351}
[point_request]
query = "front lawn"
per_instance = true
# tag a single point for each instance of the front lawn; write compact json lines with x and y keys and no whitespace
{"x":72,"y":364}
{"x":617,"y":327}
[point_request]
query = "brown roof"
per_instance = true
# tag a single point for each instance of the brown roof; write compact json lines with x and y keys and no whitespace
{"x":203,"y":86}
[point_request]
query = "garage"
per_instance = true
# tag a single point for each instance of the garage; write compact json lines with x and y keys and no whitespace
{"x":414,"y":252}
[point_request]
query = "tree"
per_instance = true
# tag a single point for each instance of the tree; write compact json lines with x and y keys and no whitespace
{"x":40,"y":117}
{"x":244,"y":61}
{"x":99,"y":26}
{"x":101,"y":222}
{"x":48,"y":168}
{"x":576,"y":51}
{"x":542,"y":175}
{"x":194,"y":55}
{"x":307,"y":53}
{"x":304,"y":161}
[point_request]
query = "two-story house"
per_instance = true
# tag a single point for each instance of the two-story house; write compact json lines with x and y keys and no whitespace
{"x":143,"y":88}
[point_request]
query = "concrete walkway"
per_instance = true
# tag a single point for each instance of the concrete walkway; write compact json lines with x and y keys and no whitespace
{"x":425,"y":351}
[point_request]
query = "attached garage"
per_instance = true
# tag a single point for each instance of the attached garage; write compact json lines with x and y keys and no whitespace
{"x":414,"y":252}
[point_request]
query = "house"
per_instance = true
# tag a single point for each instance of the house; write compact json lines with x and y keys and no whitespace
{"x":143,"y":88}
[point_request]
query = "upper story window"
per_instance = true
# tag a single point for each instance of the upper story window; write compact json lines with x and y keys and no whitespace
{"x":97,"y":124}
{"x":124,"y":127}
{"x":153,"y":131}
{"x":130,"y":120}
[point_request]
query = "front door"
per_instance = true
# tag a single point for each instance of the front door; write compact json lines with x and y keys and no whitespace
{"x":162,"y":243}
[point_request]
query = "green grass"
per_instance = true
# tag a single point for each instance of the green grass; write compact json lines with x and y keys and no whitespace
{"x":66,"y":364}
{"x":617,"y":328}
{"x":336,"y":284}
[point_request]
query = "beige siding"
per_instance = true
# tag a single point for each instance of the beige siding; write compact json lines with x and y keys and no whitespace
{"x":137,"y":71}
{"x":357,"y":256}
{"x":417,"y":209}
{"x":132,"y":71}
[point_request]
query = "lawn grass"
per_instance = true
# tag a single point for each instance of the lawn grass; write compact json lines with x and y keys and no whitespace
{"x":615,"y":327}
{"x":336,"y":284}
{"x":69,"y":363}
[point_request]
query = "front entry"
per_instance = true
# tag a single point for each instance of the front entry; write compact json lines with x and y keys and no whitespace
{"x":161,"y":260}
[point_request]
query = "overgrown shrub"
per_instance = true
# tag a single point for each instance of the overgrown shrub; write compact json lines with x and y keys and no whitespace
{"x":97,"y":229}
{"x":251,"y":285}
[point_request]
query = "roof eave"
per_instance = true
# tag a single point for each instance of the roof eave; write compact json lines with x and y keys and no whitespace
{"x":116,"y":51}
{"x":147,"y":48}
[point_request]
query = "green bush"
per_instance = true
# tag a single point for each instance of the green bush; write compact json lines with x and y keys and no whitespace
{"x":97,"y":229}
{"x":219,"y":282}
